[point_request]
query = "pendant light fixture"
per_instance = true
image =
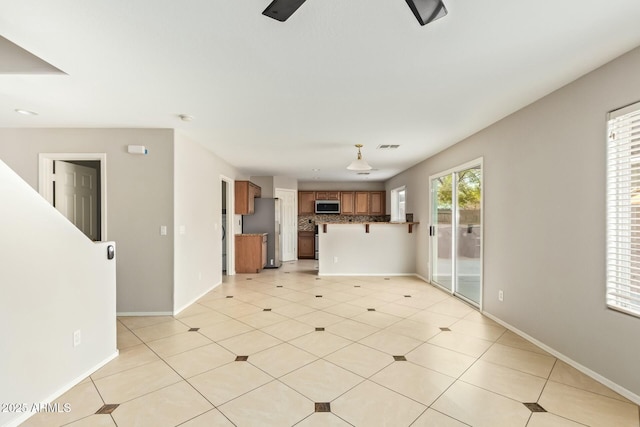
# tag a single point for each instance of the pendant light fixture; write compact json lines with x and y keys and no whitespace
{"x":359,"y":164}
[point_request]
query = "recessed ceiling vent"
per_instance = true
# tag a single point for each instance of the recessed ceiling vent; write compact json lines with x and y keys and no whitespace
{"x":387,"y":146}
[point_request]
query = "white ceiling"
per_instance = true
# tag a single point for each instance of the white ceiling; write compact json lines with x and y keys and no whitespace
{"x":276,"y":98}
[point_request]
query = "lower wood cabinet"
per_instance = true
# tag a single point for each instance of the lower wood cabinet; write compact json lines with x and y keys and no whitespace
{"x":251,"y":252}
{"x":306,"y":245}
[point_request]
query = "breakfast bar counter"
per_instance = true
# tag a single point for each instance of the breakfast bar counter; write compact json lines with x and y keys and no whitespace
{"x":366,"y":249}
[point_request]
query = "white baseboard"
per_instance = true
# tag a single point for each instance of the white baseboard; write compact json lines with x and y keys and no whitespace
{"x":62,"y":390}
{"x":367,"y":274}
{"x":588,"y":372}
{"x":144,"y":313}
{"x":177,"y":311}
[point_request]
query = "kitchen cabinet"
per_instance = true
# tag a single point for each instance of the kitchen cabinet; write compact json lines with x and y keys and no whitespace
{"x":306,"y":245}
{"x":377,"y":203}
{"x":245,"y":193}
{"x":361,"y":203}
{"x":347,"y":203}
{"x":251,"y":252}
{"x":306,"y":202}
{"x":327,"y":195}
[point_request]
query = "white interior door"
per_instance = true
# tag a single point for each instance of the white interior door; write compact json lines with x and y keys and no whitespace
{"x":289,"y":225}
{"x":76,"y":196}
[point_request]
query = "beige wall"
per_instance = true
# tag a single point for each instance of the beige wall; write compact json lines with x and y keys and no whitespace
{"x":269,"y":184}
{"x":544,"y":219}
{"x":198,"y":209}
{"x":139,"y":201}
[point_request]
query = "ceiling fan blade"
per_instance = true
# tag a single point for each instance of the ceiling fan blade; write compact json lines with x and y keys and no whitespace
{"x":281,"y":10}
{"x":426,"y":11}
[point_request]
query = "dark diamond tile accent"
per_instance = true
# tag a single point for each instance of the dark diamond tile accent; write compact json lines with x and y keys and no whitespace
{"x":194,"y":329}
{"x":356,"y":286}
{"x":371,"y":309}
{"x":399,"y":358}
{"x":317,"y":278}
{"x":534,"y":407}
{"x":445,"y":329}
{"x":266,"y":309}
{"x":242,"y":358}
{"x":319,"y":329}
{"x":287,"y":272}
{"x":229,"y":296}
{"x":249,"y":278}
{"x":318,"y":296}
{"x":107,"y":409}
{"x":407,"y":296}
{"x":386,"y":278}
{"x":323,"y":407}
{"x":279,"y":286}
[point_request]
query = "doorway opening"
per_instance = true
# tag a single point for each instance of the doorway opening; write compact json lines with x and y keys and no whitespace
{"x":75,"y":184}
{"x":456,"y":231}
{"x":226,"y":225}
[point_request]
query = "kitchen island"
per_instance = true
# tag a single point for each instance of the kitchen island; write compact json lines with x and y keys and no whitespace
{"x":367,"y":249}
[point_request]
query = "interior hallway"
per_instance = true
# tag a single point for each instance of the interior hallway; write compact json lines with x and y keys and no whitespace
{"x":286,"y":347}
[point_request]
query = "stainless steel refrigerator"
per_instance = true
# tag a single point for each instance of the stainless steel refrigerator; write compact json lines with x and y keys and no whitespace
{"x":266,"y":219}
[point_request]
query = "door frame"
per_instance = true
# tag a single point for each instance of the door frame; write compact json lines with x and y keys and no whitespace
{"x":295,"y":237}
{"x":45,"y":178}
{"x":230,"y":226}
{"x":454,"y":215}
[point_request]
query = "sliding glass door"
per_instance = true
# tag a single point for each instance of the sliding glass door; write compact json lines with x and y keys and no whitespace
{"x":441,"y":218}
{"x":456,"y":232}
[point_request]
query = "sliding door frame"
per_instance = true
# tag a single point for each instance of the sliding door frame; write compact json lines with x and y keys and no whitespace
{"x":454,"y":236}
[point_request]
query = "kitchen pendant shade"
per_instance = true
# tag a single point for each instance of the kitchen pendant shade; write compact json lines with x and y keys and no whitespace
{"x":359,"y":164}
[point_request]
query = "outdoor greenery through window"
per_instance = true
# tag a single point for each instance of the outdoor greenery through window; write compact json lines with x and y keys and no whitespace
{"x":623,"y":210}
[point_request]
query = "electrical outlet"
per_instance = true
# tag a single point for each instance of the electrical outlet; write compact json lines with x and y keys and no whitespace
{"x":500,"y":295}
{"x":163,"y":230}
{"x":77,"y":338}
{"x":335,"y":259}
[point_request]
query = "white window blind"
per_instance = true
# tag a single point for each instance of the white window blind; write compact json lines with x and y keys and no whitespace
{"x":623,"y":210}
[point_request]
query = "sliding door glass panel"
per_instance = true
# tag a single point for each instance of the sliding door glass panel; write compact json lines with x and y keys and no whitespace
{"x":442,"y":218}
{"x":468,"y":234}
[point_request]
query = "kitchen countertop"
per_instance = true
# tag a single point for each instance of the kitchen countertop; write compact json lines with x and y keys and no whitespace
{"x":251,"y":234}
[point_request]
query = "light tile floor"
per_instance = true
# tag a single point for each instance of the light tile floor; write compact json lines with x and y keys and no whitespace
{"x":321,"y":353}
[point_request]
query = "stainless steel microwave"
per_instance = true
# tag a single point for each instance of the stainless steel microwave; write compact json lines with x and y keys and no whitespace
{"x":327,"y":206}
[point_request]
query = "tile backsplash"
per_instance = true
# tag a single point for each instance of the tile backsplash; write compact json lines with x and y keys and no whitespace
{"x":308,"y":222}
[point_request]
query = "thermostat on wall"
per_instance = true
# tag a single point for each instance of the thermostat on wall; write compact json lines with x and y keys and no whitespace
{"x":137,"y":149}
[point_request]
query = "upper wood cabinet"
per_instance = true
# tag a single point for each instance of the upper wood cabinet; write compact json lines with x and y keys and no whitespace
{"x":362,"y":203}
{"x":347,"y":203}
{"x":327,"y":195}
{"x":351,"y":202}
{"x":245,"y":192}
{"x":306,"y":202}
{"x":377,"y":203}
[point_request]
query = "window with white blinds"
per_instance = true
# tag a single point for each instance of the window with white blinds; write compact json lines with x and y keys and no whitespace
{"x":623,"y":210}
